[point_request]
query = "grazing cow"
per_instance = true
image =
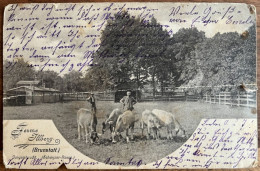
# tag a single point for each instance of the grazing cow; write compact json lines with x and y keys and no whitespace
{"x":170,"y":122}
{"x":87,"y":121}
{"x":124,"y":122}
{"x":152,"y":122}
{"x":110,"y":121}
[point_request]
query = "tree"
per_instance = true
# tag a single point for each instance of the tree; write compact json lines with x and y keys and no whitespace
{"x":51,"y":79}
{"x":97,"y":79}
{"x":130,"y":49}
{"x":73,"y":82}
{"x":232,"y":63}
{"x":184,"y":58}
{"x":16,"y":71}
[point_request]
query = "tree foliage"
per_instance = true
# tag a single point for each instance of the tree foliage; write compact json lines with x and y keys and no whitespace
{"x":16,"y":71}
{"x":73,"y":82}
{"x":134,"y":53}
{"x":131,"y":51}
{"x":228,"y":59}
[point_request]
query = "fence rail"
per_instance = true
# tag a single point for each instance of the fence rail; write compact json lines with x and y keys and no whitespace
{"x":247,"y":99}
{"x":81,"y":96}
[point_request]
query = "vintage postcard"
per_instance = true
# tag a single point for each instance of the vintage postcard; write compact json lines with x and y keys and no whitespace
{"x":129,"y":85}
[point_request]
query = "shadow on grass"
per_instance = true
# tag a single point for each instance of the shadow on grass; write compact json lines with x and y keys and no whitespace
{"x":137,"y":138}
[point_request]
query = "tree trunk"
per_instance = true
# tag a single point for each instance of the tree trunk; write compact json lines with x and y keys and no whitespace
{"x":162,"y":88}
{"x":153,"y":82}
{"x":137,"y":80}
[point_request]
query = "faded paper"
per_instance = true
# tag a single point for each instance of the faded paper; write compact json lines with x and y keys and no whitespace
{"x":190,"y":66}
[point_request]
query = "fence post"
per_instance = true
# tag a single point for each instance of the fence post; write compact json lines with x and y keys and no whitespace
{"x":247,"y":100}
{"x":238,"y":100}
{"x":206,"y":97}
{"x":225,"y":98}
{"x":219,"y":98}
{"x":214,"y":98}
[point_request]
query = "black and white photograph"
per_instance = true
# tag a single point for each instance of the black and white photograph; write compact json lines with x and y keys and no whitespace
{"x":129,"y":82}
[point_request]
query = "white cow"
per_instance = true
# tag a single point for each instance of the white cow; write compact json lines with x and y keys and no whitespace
{"x":124,"y":122}
{"x":88,"y":122}
{"x":110,"y":121}
{"x":152,"y":122}
{"x":169,"y":121}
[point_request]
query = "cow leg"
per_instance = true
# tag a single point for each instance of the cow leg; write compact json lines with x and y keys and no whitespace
{"x":127,"y":138}
{"x":86,"y":131}
{"x":111,"y":128}
{"x":113,"y":137}
{"x":120,"y":136}
{"x":142,"y":127}
{"x":148,"y":130}
{"x":79,"y":132}
{"x":159,"y":134}
{"x":155,"y":133}
{"x":183,"y":133}
{"x":132,"y":133}
{"x":168,"y":133}
{"x":176,"y":132}
{"x":111,"y":131}
{"x":171,"y":134}
{"x":148,"y":133}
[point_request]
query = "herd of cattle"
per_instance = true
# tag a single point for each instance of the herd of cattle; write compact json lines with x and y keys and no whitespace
{"x":119,"y":122}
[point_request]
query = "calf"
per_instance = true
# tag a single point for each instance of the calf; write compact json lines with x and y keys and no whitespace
{"x":87,"y":121}
{"x":152,"y":122}
{"x":170,"y":122}
{"x":124,"y":122}
{"x":110,"y":121}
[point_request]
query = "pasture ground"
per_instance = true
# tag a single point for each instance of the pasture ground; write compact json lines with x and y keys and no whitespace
{"x":64,"y":115}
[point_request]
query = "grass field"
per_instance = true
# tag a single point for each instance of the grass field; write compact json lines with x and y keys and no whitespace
{"x":189,"y":115}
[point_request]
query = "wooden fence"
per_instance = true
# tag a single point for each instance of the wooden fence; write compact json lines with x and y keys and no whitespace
{"x":247,"y":99}
{"x":172,"y":98}
{"x":81,"y":96}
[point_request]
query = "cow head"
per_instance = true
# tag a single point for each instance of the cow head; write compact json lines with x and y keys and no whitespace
{"x":181,"y":132}
{"x":105,"y":125}
{"x":155,"y":122}
{"x":93,"y":136}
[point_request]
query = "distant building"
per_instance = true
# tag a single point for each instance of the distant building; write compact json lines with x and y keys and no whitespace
{"x":30,"y":92}
{"x":28,"y":83}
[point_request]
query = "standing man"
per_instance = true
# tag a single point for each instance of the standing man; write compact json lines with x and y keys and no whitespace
{"x":92,"y":101}
{"x":93,"y":123}
{"x":128,"y":102}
